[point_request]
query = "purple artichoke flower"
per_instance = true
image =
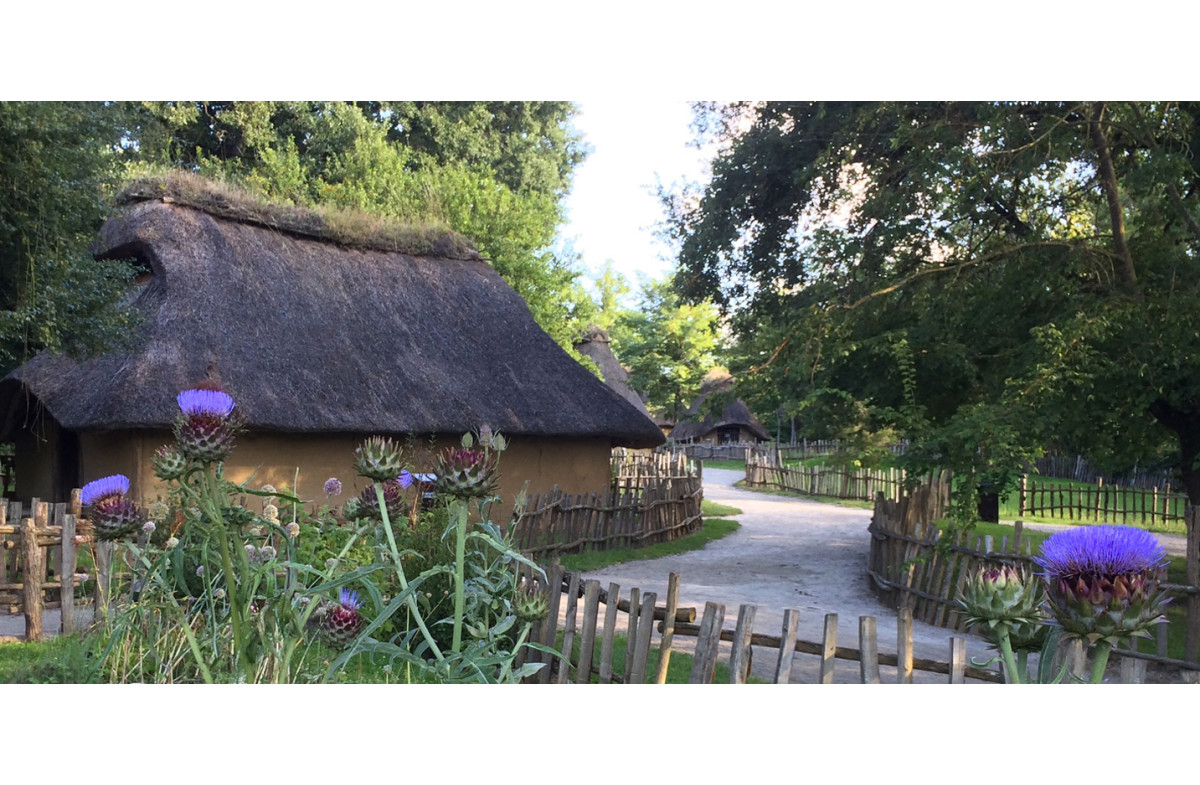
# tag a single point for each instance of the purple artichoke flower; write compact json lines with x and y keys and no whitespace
{"x":1102,"y":582}
{"x":112,"y":515}
{"x":466,"y":473}
{"x":207,"y":426}
{"x":343,"y":621}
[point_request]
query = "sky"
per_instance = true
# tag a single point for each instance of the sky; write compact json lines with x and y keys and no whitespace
{"x":612,"y":208}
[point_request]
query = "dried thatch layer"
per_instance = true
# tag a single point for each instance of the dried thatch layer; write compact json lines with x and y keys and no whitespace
{"x":312,"y":337}
{"x":596,"y":344}
{"x":735,"y":413}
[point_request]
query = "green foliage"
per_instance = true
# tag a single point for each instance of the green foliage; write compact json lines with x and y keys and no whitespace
{"x":67,"y":659}
{"x":58,"y":165}
{"x":953,"y":272}
{"x":668,"y":346}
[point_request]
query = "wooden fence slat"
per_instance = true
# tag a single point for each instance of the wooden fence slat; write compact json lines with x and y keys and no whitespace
{"x":787,"y":646}
{"x":704,"y":663}
{"x":868,"y":648}
{"x":958,"y":660}
{"x":739,"y":661}
{"x":1133,"y":671}
{"x":829,"y":652}
{"x":610,"y":627}
{"x":668,"y":631}
{"x":635,"y":600}
{"x":32,"y":575}
{"x":550,"y":626}
{"x":1191,"y":643}
{"x":904,"y":646}
{"x":66,"y":596}
{"x":639,"y":647}
{"x":564,"y":665}
{"x":587,"y":641}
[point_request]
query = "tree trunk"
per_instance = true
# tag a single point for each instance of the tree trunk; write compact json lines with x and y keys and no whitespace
{"x":1186,"y":425}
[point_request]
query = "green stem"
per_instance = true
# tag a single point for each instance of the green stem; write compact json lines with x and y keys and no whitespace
{"x":1100,"y":660}
{"x":1012,"y":675}
{"x":460,"y":530}
{"x":412,"y":602}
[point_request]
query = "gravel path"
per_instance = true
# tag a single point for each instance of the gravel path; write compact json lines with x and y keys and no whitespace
{"x":788,"y":553}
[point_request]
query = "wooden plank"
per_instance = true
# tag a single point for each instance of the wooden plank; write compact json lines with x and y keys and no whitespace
{"x":904,"y":646}
{"x":958,"y":660}
{"x":787,"y":646}
{"x":550,"y":626}
{"x":564,"y":666}
{"x":868,"y":648}
{"x":610,"y":628}
{"x":66,"y":596}
{"x":587,"y":641}
{"x":639,"y":647}
{"x":829,"y":648}
{"x":704,"y":663}
{"x":32,"y":576}
{"x":1133,"y":671}
{"x":739,"y":661}
{"x":668,"y":629}
{"x":635,"y":600}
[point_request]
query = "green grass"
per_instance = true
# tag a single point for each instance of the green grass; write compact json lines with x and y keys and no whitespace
{"x":60,"y":660}
{"x":1126,"y":501}
{"x":711,"y":529}
{"x":732,"y":465}
{"x":714,"y":510}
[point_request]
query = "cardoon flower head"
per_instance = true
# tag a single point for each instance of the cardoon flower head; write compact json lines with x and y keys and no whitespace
{"x":368,"y":502}
{"x":112,"y":515}
{"x":378,"y":459}
{"x":333,"y":487}
{"x":168,"y":463}
{"x":466,"y":473}
{"x":531,"y":605}
{"x":207,"y":426}
{"x":1102,"y":581}
{"x":343,"y":621}
{"x":1004,"y":599}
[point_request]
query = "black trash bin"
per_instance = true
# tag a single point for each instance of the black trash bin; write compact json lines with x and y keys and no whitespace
{"x":989,"y":502}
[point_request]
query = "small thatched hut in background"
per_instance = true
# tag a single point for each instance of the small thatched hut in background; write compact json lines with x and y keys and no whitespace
{"x":733,"y":423}
{"x":596,"y":344}
{"x":323,"y":335}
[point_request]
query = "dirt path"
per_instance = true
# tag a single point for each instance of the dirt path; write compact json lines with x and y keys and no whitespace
{"x":788,"y":553}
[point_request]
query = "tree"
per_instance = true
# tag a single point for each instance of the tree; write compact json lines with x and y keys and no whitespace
{"x":988,"y":278}
{"x":668,"y":346}
{"x":610,"y":287}
{"x":59,"y":163}
{"x":495,"y":172}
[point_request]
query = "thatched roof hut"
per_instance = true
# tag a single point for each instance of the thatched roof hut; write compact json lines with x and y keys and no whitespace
{"x":321,"y":335}
{"x":734,"y":422}
{"x":596,"y":344}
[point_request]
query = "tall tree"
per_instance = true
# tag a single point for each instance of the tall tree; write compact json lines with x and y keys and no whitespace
{"x":58,"y":165}
{"x":668,"y":346}
{"x":989,"y":278}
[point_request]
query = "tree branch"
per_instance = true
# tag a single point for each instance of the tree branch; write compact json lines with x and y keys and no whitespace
{"x":1108,"y":183}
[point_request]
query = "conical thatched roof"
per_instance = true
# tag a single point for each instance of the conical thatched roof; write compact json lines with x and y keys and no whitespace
{"x":735,"y":412}
{"x":312,"y":336}
{"x":596,"y":344}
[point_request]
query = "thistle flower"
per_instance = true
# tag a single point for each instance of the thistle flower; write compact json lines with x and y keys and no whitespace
{"x":343,"y":621}
{"x":112,"y":515}
{"x":207,"y":426}
{"x":466,"y":473}
{"x":168,"y":463}
{"x":378,"y":459}
{"x":530,"y":605}
{"x":333,"y":487}
{"x":1102,"y":581}
{"x":1003,"y":598}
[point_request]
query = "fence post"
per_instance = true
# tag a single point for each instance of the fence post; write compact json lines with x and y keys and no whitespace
{"x":1191,"y":645}
{"x":67,"y":574}
{"x":31,"y":583}
{"x":1021,"y":488}
{"x":104,"y":553}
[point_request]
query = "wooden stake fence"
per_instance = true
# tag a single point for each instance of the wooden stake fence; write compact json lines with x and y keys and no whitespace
{"x":838,"y":482}
{"x":1109,"y":503}
{"x":40,"y":546}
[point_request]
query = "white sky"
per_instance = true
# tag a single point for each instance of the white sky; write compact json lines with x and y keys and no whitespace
{"x":612,"y":208}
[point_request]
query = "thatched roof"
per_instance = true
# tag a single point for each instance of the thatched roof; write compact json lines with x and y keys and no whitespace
{"x":312,"y":336}
{"x":735,"y":412}
{"x":596,"y":344}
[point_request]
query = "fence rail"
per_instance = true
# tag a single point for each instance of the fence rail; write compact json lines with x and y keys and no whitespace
{"x":1111,"y":503}
{"x":838,"y":482}
{"x":909,"y":568}
{"x":1075,"y":467}
{"x":592,"y":660}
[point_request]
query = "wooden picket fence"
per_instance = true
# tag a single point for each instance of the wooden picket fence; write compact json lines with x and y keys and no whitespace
{"x":910,"y":568}
{"x":1110,"y":503}
{"x":840,"y":482}
{"x":590,"y":640}
{"x":653,"y":498}
{"x":1076,"y":467}
{"x":39,"y":560}
{"x":785,"y":451}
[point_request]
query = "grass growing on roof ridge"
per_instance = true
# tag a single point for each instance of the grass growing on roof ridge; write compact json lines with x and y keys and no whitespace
{"x":346,"y":227}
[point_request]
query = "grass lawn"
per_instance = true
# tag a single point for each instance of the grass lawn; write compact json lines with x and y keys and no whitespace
{"x":1126,"y":501}
{"x":678,"y":669}
{"x":714,"y":510}
{"x":737,"y":466}
{"x":711,"y":529}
